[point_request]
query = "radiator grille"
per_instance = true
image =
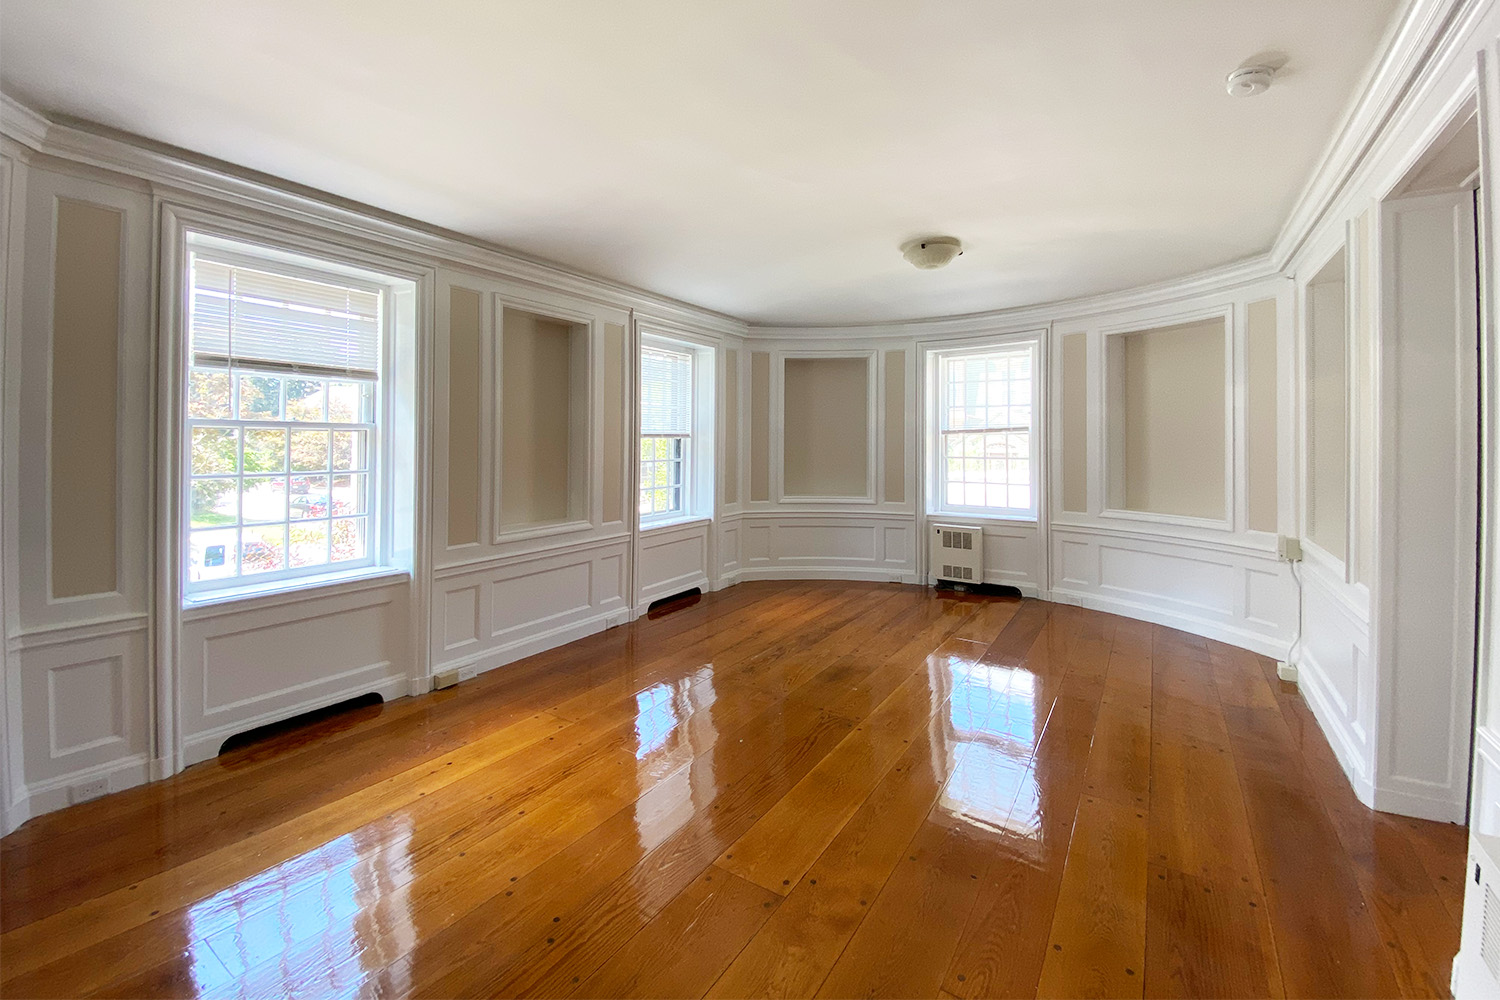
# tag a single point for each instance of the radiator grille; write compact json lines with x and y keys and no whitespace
{"x":1489,"y":932}
{"x":957,"y":572}
{"x":957,"y":539}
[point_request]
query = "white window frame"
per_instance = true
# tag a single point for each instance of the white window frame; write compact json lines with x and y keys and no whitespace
{"x":380,"y":540}
{"x":936,"y":427}
{"x":698,"y":450}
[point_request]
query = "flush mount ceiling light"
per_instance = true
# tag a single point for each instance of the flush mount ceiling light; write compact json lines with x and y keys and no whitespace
{"x":1247,"y":81}
{"x":931,"y":252}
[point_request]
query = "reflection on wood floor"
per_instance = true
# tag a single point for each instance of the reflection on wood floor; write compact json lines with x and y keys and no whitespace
{"x":787,"y":789}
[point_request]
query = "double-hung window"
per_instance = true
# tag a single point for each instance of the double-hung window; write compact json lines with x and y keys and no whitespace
{"x":985,"y":449}
{"x":283,"y":414}
{"x":667,"y":413}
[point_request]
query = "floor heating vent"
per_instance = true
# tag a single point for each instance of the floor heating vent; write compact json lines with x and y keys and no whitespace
{"x":956,"y":554}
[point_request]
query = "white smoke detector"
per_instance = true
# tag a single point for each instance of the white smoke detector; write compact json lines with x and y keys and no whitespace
{"x":931,"y":252}
{"x":1247,"y":81}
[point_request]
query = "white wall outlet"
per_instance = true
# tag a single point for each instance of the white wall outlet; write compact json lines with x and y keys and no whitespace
{"x":1286,"y":671}
{"x":1288,"y":549}
{"x":86,"y":790}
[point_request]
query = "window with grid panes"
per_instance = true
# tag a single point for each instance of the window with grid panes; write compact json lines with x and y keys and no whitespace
{"x":985,"y":431}
{"x":666,"y":432}
{"x":282,"y":420}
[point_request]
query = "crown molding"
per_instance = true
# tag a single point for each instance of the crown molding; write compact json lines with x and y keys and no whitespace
{"x":21,"y":123}
{"x":182,"y":176}
{"x":1225,"y":278}
{"x":1412,"y":50}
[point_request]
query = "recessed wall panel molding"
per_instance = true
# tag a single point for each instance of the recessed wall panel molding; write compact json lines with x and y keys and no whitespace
{"x":827,"y":427}
{"x":82,"y":472}
{"x":1169,"y":391}
{"x":84,"y":710}
{"x":895,"y":427}
{"x":760,"y":426}
{"x":828,"y":546}
{"x":528,"y":603}
{"x":673,"y":559}
{"x":1073,"y":411}
{"x":733,"y":426}
{"x":1260,"y":414}
{"x":465,"y":385}
{"x":615,"y":415}
{"x":1200,"y":586}
{"x":246,"y":664}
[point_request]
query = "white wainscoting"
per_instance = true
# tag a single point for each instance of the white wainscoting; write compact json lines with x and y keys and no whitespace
{"x":672,"y":559}
{"x":83,"y":698}
{"x":244,"y":665}
{"x":1236,"y":594}
{"x":491,"y":613}
{"x":1334,"y":669}
{"x":730,"y":562}
{"x":828,"y":546}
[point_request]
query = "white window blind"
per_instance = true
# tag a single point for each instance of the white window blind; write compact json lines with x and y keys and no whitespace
{"x":246,"y":317}
{"x":666,"y":392}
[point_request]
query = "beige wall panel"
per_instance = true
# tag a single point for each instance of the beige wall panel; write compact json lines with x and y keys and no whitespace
{"x":1260,"y":404}
{"x":1075,"y":408}
{"x":535,"y":416}
{"x":825,"y":426}
{"x":85,"y":379}
{"x":464,"y":388}
{"x":615,"y":447}
{"x":895,"y":426}
{"x":1363,"y":437}
{"x":1327,"y":411}
{"x":731,"y":418}
{"x":1173,"y":410}
{"x":760,"y":425}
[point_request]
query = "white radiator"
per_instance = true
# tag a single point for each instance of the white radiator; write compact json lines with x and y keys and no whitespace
{"x":1476,"y":969}
{"x":956,"y":554}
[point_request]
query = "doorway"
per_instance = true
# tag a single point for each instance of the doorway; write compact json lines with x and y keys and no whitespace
{"x":1427,"y":469}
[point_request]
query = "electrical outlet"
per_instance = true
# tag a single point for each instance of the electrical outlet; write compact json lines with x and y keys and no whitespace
{"x":85,"y":790}
{"x":1288,"y":549}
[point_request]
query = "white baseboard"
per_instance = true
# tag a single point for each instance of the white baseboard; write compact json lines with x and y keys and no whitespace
{"x":1266,"y":645}
{"x":51,"y":795}
{"x":1421,"y":806}
{"x":827,"y":573}
{"x":1347,"y":747}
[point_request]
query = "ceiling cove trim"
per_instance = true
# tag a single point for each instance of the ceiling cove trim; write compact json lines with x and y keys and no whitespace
{"x":1222,"y":279}
{"x":180,"y":173}
{"x":1415,"y":48}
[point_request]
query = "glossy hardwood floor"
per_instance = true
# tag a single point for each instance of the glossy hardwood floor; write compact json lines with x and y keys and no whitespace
{"x":788,"y":789}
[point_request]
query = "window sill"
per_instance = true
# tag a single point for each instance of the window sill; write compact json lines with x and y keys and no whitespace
{"x":969,"y":515}
{"x":265,"y":595}
{"x":675,"y":522}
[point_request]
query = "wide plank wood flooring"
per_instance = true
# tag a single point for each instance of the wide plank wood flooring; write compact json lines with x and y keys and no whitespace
{"x":788,"y":789}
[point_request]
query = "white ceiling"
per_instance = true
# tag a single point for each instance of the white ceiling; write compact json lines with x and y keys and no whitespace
{"x":762,"y":158}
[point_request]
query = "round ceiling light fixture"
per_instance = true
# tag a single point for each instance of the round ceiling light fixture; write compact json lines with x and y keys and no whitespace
{"x":931,"y":252}
{"x":1247,"y":81}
